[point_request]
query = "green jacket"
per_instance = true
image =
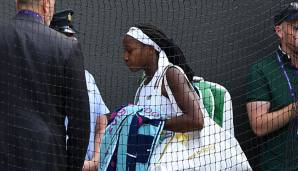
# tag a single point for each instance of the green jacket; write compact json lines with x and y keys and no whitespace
{"x":267,"y":82}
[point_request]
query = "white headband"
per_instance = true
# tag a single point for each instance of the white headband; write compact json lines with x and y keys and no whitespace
{"x":142,"y":37}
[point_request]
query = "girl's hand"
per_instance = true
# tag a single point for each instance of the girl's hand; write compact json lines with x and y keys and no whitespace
{"x":90,"y":165}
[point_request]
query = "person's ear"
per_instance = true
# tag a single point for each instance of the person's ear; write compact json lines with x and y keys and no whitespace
{"x":151,"y":50}
{"x":279,"y":31}
{"x":45,"y":7}
{"x":17,"y":5}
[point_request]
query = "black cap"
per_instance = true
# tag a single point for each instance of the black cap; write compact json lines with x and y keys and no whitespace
{"x":62,"y":22}
{"x":287,"y":14}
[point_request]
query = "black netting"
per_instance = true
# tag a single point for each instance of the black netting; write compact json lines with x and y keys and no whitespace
{"x":42,"y":83}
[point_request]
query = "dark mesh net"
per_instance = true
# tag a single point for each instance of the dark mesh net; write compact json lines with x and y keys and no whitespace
{"x":42,"y":83}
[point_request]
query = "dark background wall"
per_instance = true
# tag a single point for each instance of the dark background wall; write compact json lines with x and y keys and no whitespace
{"x":220,"y":38}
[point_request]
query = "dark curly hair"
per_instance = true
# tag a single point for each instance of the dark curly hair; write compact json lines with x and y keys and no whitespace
{"x":174,"y":53}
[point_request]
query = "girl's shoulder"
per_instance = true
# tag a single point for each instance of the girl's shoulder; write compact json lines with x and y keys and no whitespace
{"x":174,"y":72}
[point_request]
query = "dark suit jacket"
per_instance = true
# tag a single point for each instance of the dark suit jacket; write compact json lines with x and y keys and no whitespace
{"x":41,"y":81}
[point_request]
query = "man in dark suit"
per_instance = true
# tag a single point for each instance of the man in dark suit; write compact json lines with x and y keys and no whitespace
{"x":41,"y":82}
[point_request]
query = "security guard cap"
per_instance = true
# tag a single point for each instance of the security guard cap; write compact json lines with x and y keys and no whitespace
{"x":287,"y":14}
{"x":62,"y":22}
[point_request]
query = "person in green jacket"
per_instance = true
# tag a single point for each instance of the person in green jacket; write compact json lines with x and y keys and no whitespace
{"x":272,"y":96}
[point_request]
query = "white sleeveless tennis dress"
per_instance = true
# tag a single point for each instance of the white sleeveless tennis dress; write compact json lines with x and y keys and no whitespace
{"x":150,"y":95}
{"x":212,"y":148}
